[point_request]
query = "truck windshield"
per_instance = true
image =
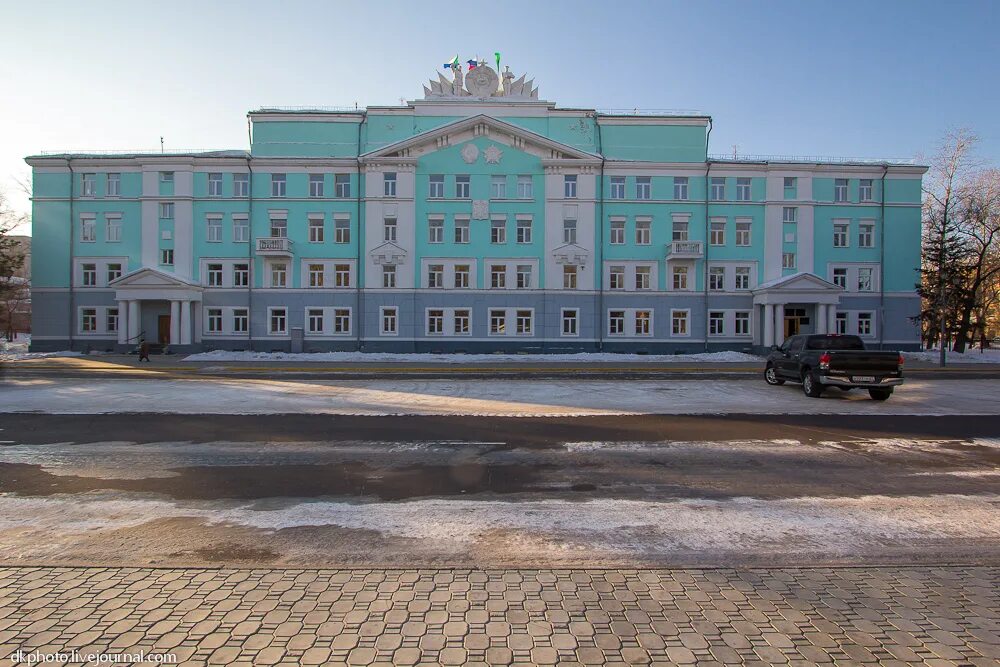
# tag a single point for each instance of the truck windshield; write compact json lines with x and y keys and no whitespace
{"x":835,"y":343}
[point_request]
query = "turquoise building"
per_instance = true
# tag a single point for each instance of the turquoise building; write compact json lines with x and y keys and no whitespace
{"x":477,"y":219}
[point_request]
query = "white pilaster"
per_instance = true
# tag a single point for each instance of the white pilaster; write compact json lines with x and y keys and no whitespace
{"x":185,"y":323}
{"x":123,"y":322}
{"x":821,"y":312}
{"x":831,"y":320}
{"x":779,"y":322}
{"x":768,"y":325}
{"x":175,"y":322}
{"x":133,"y":321}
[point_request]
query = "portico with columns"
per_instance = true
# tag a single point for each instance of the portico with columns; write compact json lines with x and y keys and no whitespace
{"x":144,"y":296}
{"x":805,"y":299}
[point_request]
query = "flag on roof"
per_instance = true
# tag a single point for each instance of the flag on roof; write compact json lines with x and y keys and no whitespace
{"x":472,"y":64}
{"x":451,"y":63}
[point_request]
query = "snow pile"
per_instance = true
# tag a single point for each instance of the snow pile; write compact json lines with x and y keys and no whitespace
{"x":19,"y":350}
{"x":582,"y":357}
{"x":972,"y":356}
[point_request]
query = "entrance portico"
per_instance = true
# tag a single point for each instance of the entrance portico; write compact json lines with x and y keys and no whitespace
{"x":799,"y":303}
{"x":163,"y":293}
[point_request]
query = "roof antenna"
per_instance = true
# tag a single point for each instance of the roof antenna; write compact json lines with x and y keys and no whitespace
{"x":735,"y":147}
{"x":161,"y":144}
{"x":355,"y":106}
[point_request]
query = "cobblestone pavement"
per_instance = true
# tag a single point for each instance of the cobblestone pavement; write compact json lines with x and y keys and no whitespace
{"x":922,"y":615}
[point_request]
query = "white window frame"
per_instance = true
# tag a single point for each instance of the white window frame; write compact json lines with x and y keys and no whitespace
{"x":569,"y":231}
{"x":718,"y":188}
{"x":616,"y":236}
{"x":643,"y":188}
{"x":272,"y":312}
{"x":279,"y":185}
{"x":213,"y":228}
{"x":616,"y":316}
{"x":648,"y":319}
{"x":389,"y":276}
{"x":242,"y":224}
{"x":341,"y":230}
{"x":788,"y":260}
{"x":389,"y":184}
{"x":463,"y":231}
{"x":88,"y":185}
{"x":166,"y":210}
{"x":435,"y":229}
{"x":215,"y":277}
{"x":438,"y":319}
{"x":342,"y":186}
{"x":575,"y":320}
{"x":866,"y":234}
{"x":841,"y":190}
{"x":717,"y":231}
{"x":744,"y":189}
{"x":744,"y":236}
{"x":317,"y":232}
{"x":617,"y":187}
{"x":571,"y":273}
{"x":317,"y":186}
{"x":215,"y":184}
{"x":523,"y":228}
{"x":241,"y":184}
{"x":790,"y":215}
{"x":643,"y":231}
{"x":463,"y":186}
{"x":717,"y":317}
{"x":686,"y":312}
{"x":498,"y":187}
{"x":569,"y":186}
{"x":390,"y":229}
{"x":114,"y":184}
{"x":681,"y":188}
{"x":525,"y":187}
{"x":498,"y":231}
{"x":165,"y":255}
{"x":841,"y":234}
{"x":435,"y":186}
{"x":716,"y":278}
{"x":745,"y":316}
{"x":113,"y":227}
{"x":683,"y":285}
{"x":385,"y":315}
{"x":866,"y":189}
{"x":519,"y":319}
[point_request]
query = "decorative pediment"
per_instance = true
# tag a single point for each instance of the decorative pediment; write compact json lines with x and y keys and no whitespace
{"x":571,"y":253}
{"x":798,"y":287}
{"x":151,"y":278}
{"x":388,"y":253}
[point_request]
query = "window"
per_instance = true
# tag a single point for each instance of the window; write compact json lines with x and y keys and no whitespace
{"x":279,"y":275}
{"x":569,"y":276}
{"x":788,"y":260}
{"x":316,"y":275}
{"x":498,"y":187}
{"x":389,"y":275}
{"x":341,"y":231}
{"x":278,"y":323}
{"x":389,"y":184}
{"x":278,"y":185}
{"x":842,"y":323}
{"x":462,"y":186}
{"x":569,"y":322}
{"x":315,"y":320}
{"x":88,"y":185}
{"x":840,"y":277}
{"x":616,"y":277}
{"x":864,"y":324}
{"x":114,"y":228}
{"x":717,"y":278}
{"x":435,"y":231}
{"x":316,"y":185}
{"x":341,"y":275}
{"x":167,"y":210}
{"x":569,"y":231}
{"x":866,"y":235}
{"x":342,"y":186}
{"x":498,"y":322}
{"x":389,"y":320}
{"x":642,"y":232}
{"x":523,"y":276}
{"x":523,"y":320}
{"x":865,"y":282}
{"x":90,"y":275}
{"x":166,"y":177}
{"x":569,"y":186}
{"x":498,"y":231}
{"x":742,"y":233}
{"x":111,"y":320}
{"x":279,"y":228}
{"x":241,"y":185}
{"x":840,"y":235}
{"x":213,"y":230}
{"x":716,"y":323}
{"x":790,"y":182}
{"x":840,"y":190}
{"x":436,"y":187}
{"x":718,"y":188}
{"x":462,"y":273}
{"x":88,"y":320}
{"x":643,"y":187}
{"x":241,"y":320}
{"x":389,"y":230}
{"x":241,"y":275}
{"x":315,"y":230}
{"x":525,"y":187}
{"x":114,"y":271}
{"x":680,"y":231}
{"x":524,"y":231}
{"x":680,"y":281}
{"x":341,"y":321}
{"x":435,"y":275}
{"x":680,"y":187}
{"x":114,"y":185}
{"x":167,"y":257}
{"x":741,"y":323}
{"x":214,"y":320}
{"x":241,"y":230}
{"x":461,"y":231}
{"x":679,"y":322}
{"x":616,"y":323}
{"x":617,"y":232}
{"x":215,"y":184}
{"x":790,"y":214}
{"x":742,"y":189}
{"x":865,"y":189}
{"x":643,"y":323}
{"x":214,"y":275}
{"x":643,"y":275}
{"x":461,"y":323}
{"x":717,"y":232}
{"x":617,"y":187}
{"x":498,"y":276}
{"x":742,"y":277}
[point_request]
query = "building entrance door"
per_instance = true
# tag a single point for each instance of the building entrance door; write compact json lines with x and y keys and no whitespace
{"x":795,"y":318}
{"x":163,"y":329}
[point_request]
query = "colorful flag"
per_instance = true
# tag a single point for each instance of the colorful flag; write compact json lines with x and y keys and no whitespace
{"x":472,"y":64}
{"x":452,"y":63}
{"x":497,"y":54}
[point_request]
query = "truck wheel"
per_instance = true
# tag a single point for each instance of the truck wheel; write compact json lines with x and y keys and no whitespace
{"x":880,"y":394}
{"x":771,"y":376}
{"x":811,"y":386}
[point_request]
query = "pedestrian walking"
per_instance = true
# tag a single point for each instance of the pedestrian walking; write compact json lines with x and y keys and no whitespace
{"x":144,"y":350}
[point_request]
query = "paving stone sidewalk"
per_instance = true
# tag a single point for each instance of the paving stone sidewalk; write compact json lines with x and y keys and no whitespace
{"x":887,"y":616}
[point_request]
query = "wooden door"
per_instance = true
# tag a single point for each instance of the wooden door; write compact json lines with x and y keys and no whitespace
{"x":163,"y":328}
{"x":791,"y":326}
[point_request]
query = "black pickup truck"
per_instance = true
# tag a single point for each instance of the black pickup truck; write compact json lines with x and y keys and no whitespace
{"x":819,"y":361}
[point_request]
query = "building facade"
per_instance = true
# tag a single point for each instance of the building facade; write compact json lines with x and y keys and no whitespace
{"x":477,"y":219}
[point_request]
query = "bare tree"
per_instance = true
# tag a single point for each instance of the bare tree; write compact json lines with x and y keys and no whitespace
{"x":13,"y":289}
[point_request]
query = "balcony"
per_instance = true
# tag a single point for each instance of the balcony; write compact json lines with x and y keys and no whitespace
{"x":274,"y":246}
{"x":685,"y":250}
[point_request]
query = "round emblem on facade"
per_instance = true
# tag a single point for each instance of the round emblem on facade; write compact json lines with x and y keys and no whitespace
{"x":470,"y":153}
{"x":482,"y":81}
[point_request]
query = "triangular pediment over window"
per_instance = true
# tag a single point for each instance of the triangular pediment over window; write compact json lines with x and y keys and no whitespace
{"x":388,"y":253}
{"x":147,"y":277}
{"x":571,"y":253}
{"x":148,"y":284}
{"x":802,"y":287}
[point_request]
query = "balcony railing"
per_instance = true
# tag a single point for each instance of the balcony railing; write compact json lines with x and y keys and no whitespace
{"x":685,"y":250}
{"x":274,"y":245}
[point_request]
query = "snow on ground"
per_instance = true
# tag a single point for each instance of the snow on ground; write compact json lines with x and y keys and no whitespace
{"x":583,"y":357}
{"x":505,"y":398}
{"x":19,"y":350}
{"x":975,"y":356}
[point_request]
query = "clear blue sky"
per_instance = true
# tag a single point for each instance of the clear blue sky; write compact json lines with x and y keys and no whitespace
{"x":866,"y":79}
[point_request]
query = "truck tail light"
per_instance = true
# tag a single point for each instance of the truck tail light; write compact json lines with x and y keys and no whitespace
{"x":824,"y":361}
{"x":900,"y":362}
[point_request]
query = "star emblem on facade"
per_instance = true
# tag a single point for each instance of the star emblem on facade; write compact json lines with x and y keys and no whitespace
{"x":492,"y":155}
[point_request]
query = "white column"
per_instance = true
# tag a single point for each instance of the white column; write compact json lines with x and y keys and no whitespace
{"x":779,"y":322}
{"x":122,"y":322}
{"x":768,"y":325}
{"x":175,"y":322}
{"x":185,"y":323}
{"x":831,"y":319}
{"x":133,"y":322}
{"x":821,"y":311}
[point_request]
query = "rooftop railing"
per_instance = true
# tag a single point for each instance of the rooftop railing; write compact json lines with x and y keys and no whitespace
{"x":755,"y":157}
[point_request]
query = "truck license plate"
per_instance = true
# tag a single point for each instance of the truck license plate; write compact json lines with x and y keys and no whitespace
{"x":862,"y":378}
